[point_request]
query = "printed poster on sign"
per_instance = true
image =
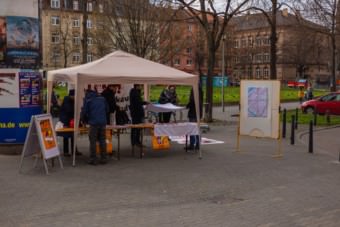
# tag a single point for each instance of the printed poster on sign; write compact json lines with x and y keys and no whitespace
{"x":9,"y":95}
{"x":47,"y":134}
{"x":22,"y":35}
{"x":30,"y":87}
{"x":259,"y":113}
{"x":2,"y":39}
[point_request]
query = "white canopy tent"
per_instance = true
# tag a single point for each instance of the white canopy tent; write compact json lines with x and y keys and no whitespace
{"x":118,"y":68}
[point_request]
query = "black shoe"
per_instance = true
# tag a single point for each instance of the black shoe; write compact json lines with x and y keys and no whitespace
{"x":78,"y":153}
{"x":67,"y":155}
{"x":92,"y":162}
{"x":190,"y":148}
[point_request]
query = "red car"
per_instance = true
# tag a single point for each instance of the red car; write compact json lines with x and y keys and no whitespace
{"x":328,"y":103}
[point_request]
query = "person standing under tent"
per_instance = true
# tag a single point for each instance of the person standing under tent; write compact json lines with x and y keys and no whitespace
{"x":95,"y":110}
{"x":109,"y":95}
{"x":137,"y":113}
{"x":66,"y":117}
{"x":168,"y":95}
{"x":194,"y":139}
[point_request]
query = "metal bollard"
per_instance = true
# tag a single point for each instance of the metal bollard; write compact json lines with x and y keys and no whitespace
{"x":315,"y":116}
{"x":328,"y":118}
{"x":310,"y":144}
{"x":284,"y":122}
{"x":296,"y":118}
{"x":292,"y":134}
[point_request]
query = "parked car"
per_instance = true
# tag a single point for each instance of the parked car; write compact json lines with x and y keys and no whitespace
{"x":328,"y":103}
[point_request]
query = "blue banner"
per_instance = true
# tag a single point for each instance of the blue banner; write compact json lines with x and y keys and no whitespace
{"x":14,"y":123}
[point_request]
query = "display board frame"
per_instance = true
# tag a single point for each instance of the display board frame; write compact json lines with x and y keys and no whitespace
{"x":41,"y":129}
{"x":260,"y":110}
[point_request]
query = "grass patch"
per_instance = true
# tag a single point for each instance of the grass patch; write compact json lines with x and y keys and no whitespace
{"x":231,"y":94}
{"x":321,"y":120}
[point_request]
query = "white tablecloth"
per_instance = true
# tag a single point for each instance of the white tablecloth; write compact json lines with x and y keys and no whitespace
{"x":159,"y":108}
{"x":176,"y":129}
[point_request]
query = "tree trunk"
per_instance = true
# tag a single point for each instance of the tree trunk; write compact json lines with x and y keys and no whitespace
{"x":333,"y":76}
{"x":273,"y":41}
{"x":209,"y":85}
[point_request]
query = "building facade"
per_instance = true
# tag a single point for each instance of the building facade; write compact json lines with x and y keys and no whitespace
{"x":302,"y":52}
{"x":66,"y":25}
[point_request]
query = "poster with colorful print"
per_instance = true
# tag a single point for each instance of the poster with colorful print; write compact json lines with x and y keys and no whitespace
{"x":22,"y":36}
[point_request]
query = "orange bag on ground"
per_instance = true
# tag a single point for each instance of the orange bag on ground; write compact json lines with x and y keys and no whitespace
{"x":108,"y":140}
{"x":160,"y":142}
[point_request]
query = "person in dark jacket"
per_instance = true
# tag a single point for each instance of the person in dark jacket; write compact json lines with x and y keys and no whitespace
{"x":65,"y":116}
{"x":168,"y":95}
{"x":194,"y":139}
{"x":137,"y":113}
{"x":109,"y":95}
{"x":95,"y":110}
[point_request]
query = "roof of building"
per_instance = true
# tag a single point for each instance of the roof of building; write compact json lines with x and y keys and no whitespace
{"x":258,"y":20}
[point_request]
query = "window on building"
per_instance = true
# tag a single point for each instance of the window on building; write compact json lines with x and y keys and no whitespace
{"x":75,"y":5}
{"x":189,"y":50}
{"x":89,"y":41}
{"x":76,"y":40}
{"x":266,"y":41}
{"x":258,"y":58}
{"x":101,"y":8}
{"x":250,"y":58}
{"x":189,"y":61}
{"x":55,"y":37}
{"x":55,"y":56}
{"x":265,"y":73}
{"x":55,"y":4}
{"x":76,"y":58}
{"x":243,"y":42}
{"x":89,"y":23}
{"x":250,"y":41}
{"x":190,"y":27}
{"x":250,"y":73}
{"x":258,"y":73}
{"x":177,"y":61}
{"x":258,"y":41}
{"x":76,"y":23}
{"x":55,"y":20}
{"x":236,"y":43}
{"x":89,"y":57}
{"x":266,"y":57}
{"x":89,"y":7}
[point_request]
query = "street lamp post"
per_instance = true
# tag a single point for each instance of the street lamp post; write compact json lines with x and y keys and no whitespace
{"x":222,"y":72}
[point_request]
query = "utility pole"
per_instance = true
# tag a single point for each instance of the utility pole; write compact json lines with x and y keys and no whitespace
{"x":223,"y":72}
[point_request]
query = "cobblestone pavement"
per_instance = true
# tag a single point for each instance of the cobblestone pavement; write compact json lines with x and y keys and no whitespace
{"x":174,"y":188}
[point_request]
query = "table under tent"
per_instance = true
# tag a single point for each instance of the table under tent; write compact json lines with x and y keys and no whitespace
{"x":119,"y":67}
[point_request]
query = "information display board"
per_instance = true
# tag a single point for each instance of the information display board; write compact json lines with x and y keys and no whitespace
{"x":41,"y":140}
{"x":259,"y":114}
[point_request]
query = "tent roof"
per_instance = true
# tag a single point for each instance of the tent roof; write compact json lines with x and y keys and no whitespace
{"x":122,"y":67}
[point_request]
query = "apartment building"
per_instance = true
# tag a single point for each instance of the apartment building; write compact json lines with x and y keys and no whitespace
{"x":302,"y":52}
{"x":63,"y":31}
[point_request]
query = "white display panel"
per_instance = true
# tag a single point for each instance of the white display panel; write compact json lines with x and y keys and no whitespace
{"x":260,"y":102}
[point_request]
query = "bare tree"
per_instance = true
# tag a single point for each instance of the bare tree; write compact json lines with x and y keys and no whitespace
{"x":66,"y":43}
{"x":270,"y":9}
{"x":213,"y":22}
{"x":134,"y":26}
{"x":326,"y":13}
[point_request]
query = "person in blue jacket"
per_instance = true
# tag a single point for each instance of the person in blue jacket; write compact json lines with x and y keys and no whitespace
{"x":95,"y":110}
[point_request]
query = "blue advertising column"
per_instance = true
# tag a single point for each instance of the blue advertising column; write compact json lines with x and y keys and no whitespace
{"x":20,"y":98}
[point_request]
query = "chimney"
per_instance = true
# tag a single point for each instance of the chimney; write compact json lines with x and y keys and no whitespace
{"x":285,"y":12}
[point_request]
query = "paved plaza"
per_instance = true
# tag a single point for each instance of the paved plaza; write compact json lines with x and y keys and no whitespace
{"x":175,"y":188}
